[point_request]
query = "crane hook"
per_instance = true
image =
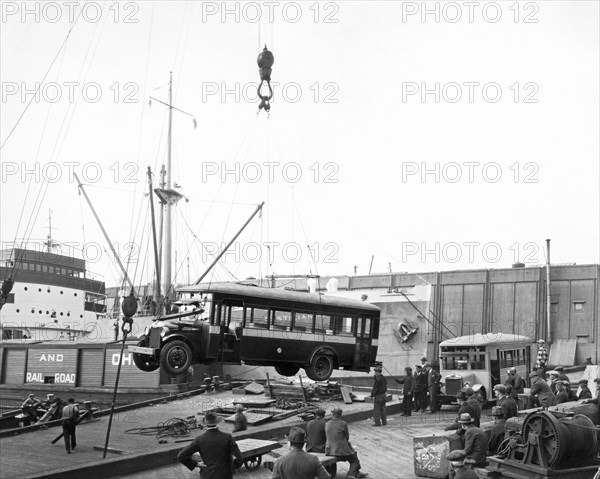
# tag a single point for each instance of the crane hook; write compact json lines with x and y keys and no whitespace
{"x":265,"y":61}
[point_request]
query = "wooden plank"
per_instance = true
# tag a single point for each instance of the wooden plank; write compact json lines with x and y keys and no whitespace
{"x":255,"y":402}
{"x":251,"y":447}
{"x":346,"y":394}
{"x":562,"y":352}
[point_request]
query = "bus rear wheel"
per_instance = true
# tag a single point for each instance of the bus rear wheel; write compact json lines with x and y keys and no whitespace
{"x":320,"y":368}
{"x":176,"y":357}
{"x":145,"y":362}
{"x":287,"y":369}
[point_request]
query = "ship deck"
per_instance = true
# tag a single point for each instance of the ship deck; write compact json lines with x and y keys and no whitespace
{"x":383,"y":451}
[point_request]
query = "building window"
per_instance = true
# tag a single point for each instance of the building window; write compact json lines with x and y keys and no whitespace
{"x":578,"y":306}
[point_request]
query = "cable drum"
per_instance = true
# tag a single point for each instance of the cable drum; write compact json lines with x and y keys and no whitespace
{"x":566,"y":437}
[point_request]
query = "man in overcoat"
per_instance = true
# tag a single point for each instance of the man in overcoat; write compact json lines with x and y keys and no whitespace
{"x":216,"y":448}
{"x":338,"y":443}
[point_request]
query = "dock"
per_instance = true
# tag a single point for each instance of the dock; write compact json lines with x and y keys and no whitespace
{"x":383,"y":451}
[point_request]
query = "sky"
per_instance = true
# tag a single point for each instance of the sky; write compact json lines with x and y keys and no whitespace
{"x":402,"y":136}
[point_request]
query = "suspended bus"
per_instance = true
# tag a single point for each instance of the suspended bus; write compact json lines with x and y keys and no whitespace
{"x":481,"y":360}
{"x":288,"y":330}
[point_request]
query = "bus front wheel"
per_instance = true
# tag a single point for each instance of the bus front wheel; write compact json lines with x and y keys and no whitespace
{"x":145,"y":362}
{"x":320,"y":367}
{"x":287,"y":369}
{"x":176,"y":357}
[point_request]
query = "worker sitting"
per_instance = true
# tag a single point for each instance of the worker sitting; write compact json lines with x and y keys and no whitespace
{"x":30,"y":406}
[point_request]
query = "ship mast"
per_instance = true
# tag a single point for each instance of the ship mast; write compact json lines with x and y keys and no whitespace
{"x":168,"y":198}
{"x":50,"y":243}
{"x":168,"y":238}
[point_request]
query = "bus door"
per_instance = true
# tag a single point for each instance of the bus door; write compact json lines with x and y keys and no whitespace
{"x":229,"y":320}
{"x":362,"y":349}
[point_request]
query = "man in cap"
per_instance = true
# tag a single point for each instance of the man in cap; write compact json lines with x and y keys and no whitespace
{"x":552,"y":379}
{"x":585,"y":392}
{"x":69,"y":417}
{"x":416,"y":404}
{"x":561,"y":393}
{"x":421,"y":388}
{"x":540,"y":393}
{"x":497,"y":431}
{"x":476,"y":442}
{"x":433,"y":384}
{"x":595,"y":400}
{"x":407,"y":391}
{"x":30,"y":406}
{"x":423,"y":361}
{"x":216,"y":449}
{"x":542,"y":357}
{"x":458,"y":468}
{"x":505,"y":402}
{"x":315,"y":433}
{"x":338,"y":444}
{"x":298,"y":464}
{"x":378,"y":393}
{"x":241,"y":422}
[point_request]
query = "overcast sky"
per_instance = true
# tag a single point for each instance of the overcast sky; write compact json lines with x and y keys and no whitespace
{"x":427,"y":136}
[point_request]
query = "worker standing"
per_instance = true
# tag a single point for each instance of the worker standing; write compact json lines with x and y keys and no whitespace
{"x":433,"y":384}
{"x":407,"y":391}
{"x":69,"y":416}
{"x":378,"y":394}
{"x":542,"y":358}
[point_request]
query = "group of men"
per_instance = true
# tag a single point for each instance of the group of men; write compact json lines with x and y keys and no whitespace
{"x":221,"y":455}
{"x":421,"y":388}
{"x":68,"y":412}
{"x":477,"y":446}
{"x":554,"y":387}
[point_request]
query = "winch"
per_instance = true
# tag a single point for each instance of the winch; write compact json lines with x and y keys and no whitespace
{"x":549,"y":444}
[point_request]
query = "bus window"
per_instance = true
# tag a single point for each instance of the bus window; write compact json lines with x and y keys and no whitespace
{"x":303,"y":322}
{"x":282,"y":319}
{"x":260,"y":318}
{"x":455,"y":362}
{"x":344,"y":326}
{"x":478,"y":361}
{"x":322,"y":323}
{"x":367,"y":330}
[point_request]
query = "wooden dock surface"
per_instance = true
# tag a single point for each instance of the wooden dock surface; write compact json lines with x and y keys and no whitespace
{"x":385,"y":452}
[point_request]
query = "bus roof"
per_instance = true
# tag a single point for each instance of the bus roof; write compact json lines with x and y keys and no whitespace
{"x":487,"y":339}
{"x":278,"y":294}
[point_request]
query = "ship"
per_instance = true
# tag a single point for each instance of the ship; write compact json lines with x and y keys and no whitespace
{"x":53,"y":297}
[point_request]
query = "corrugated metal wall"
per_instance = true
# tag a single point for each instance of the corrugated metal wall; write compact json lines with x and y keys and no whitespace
{"x":51,"y":366}
{"x":14,"y":366}
{"x":91,"y":367}
{"x":131,"y":376}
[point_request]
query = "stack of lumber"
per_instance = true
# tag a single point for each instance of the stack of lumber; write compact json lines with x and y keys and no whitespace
{"x":288,"y":391}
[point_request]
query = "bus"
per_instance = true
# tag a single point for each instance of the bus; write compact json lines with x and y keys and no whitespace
{"x":242,"y":324}
{"x":481,"y":360}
